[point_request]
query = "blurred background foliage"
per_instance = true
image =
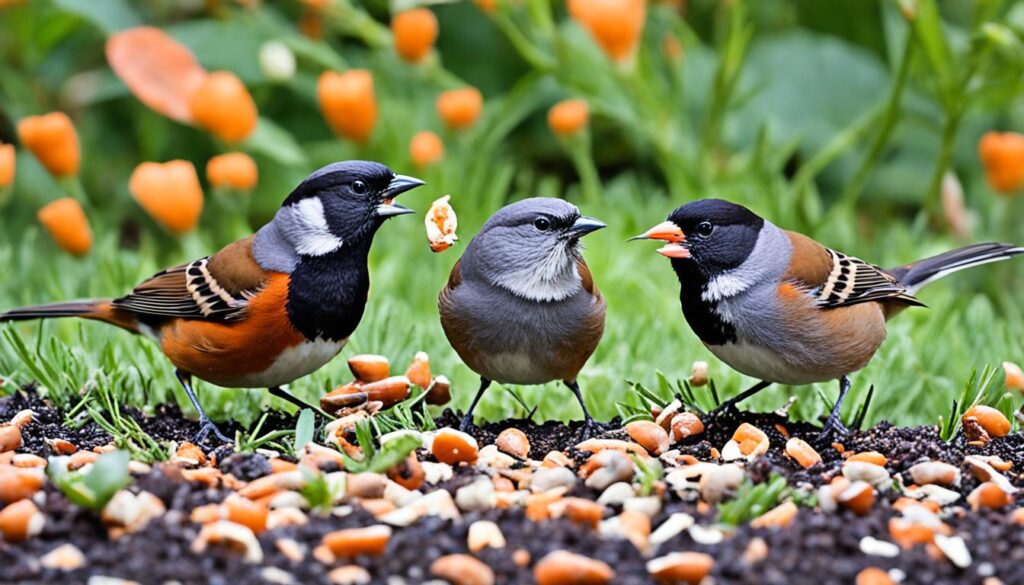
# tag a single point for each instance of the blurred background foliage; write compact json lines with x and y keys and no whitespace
{"x":840,"y":119}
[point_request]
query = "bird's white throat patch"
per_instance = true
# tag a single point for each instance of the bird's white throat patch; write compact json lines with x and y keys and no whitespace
{"x":554,"y":278}
{"x":309,"y":231}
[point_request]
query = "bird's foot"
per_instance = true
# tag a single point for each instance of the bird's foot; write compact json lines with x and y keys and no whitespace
{"x":467,"y":422}
{"x":206,"y":428}
{"x":590,"y":428}
{"x":833,"y":429}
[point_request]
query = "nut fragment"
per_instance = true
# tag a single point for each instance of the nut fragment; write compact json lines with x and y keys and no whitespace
{"x":460,"y":569}
{"x":994,"y":422}
{"x":20,"y":521}
{"x":419,"y":370}
{"x":18,"y":483}
{"x":246,"y":512}
{"x":389,"y":391}
{"x":610,"y":467}
{"x":441,"y":223}
{"x":409,"y":473}
{"x":350,"y":542}
{"x":234,"y":536}
{"x":349,"y":575}
{"x":873,"y":576}
{"x":681,"y":567}
{"x":369,"y":368}
{"x":699,"y":373}
{"x":747,"y":442}
{"x":440,"y":391}
{"x":1014,"y":376}
{"x":484,"y":534}
{"x":859,"y":498}
{"x":451,"y":446}
{"x":563,"y":567}
{"x":649,"y":435}
{"x":10,"y":438}
{"x":802,"y":452}
{"x":989,"y":495}
{"x":514,"y":442}
{"x":684,"y":425}
{"x":777,"y":517}
{"x":132,"y":512}
{"x":66,"y":557}
{"x":937,"y":472}
{"x":873,"y":457}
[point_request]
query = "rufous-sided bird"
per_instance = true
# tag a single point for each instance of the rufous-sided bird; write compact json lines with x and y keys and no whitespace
{"x":780,"y":307}
{"x":268,"y":309}
{"x":521,"y":306}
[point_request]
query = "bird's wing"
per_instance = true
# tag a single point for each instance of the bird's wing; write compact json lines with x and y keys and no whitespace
{"x":587,"y":279}
{"x":837,"y":280}
{"x":216,"y":287}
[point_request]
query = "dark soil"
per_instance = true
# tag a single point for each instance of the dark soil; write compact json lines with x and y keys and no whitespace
{"x":815,"y":549}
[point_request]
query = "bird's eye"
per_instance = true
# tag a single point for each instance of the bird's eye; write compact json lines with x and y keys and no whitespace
{"x":358,"y":187}
{"x":542,"y":223}
{"x":704,"y":229}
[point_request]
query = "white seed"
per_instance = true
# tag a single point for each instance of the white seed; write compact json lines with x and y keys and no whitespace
{"x":484,"y":534}
{"x":706,"y":534}
{"x":615,"y":494}
{"x":476,"y":496}
{"x":876,"y":475}
{"x":879,"y":548}
{"x":65,"y":557}
{"x":955,"y":550}
{"x":548,"y":478}
{"x":232,"y":534}
{"x":672,"y":526}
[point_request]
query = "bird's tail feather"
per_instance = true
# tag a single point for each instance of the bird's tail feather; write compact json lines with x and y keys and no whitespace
{"x":50,"y":311}
{"x":918,"y":274}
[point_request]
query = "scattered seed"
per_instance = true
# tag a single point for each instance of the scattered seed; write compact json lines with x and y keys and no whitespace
{"x":802,"y":452}
{"x":671,"y":527}
{"x":246,"y":512}
{"x":484,"y":534}
{"x":665,"y":415}
{"x":874,"y":576}
{"x":870,"y":545}
{"x":612,"y":467}
{"x":718,"y":481}
{"x":756,"y":551}
{"x":935,"y":472}
{"x":859,"y":498}
{"x":521,"y":557}
{"x":876,"y":475}
{"x":955,"y":550}
{"x":616,"y":494}
{"x":649,"y":435}
{"x":28,"y":460}
{"x":372,"y":540}
{"x":461,"y":569}
{"x":419,"y":370}
{"x":1014,"y":376}
{"x":132,"y":512}
{"x":681,"y":567}
{"x":636,"y":527}
{"x":452,"y":447}
{"x":291,"y":549}
{"x":349,"y":575}
{"x":685,"y":425}
{"x":234,"y":536}
{"x":869,"y":457}
{"x":514,"y":442}
{"x":10,"y":438}
{"x":699,"y":373}
{"x":20,"y":521}
{"x":989,"y":495}
{"x":597,"y":445}
{"x":747,"y":442}
{"x":440,"y":391}
{"x":557,"y":459}
{"x":548,"y":478}
{"x":566,"y":568}
{"x":778,"y":517}
{"x":994,"y":422}
{"x":18,"y":483}
{"x":476,"y":496}
{"x":369,"y":368}
{"x":66,"y":557}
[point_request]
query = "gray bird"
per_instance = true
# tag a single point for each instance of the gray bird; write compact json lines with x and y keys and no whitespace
{"x":520,"y":306}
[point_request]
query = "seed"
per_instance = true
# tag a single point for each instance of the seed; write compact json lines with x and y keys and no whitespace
{"x":66,"y":557}
{"x":937,"y":472}
{"x":272,"y":484}
{"x":460,"y":108}
{"x":287,"y":516}
{"x":649,"y":435}
{"x":557,"y":459}
{"x":699,"y":373}
{"x":859,"y":498}
{"x":989,"y":495}
{"x":389,"y":391}
{"x":28,"y":460}
{"x":484,"y":534}
{"x":681,"y":567}
{"x":10,"y":438}
{"x":1014,"y":376}
{"x":369,"y":367}
{"x":756,"y":551}
{"x":581,"y":510}
{"x":538,"y":506}
{"x":132,"y":512}
{"x":189,"y":454}
{"x":564,"y":568}
{"x":426,"y":148}
{"x":595,"y":445}
{"x":18,"y":483}
{"x":664,"y":416}
{"x":568,"y":117}
{"x":246,"y":512}
{"x":7,"y":164}
{"x":802,"y":452}
{"x":994,"y":422}
{"x":21,"y":520}
{"x":409,"y":473}
{"x":365,"y":485}
{"x":372,"y":540}
{"x":439,"y":393}
{"x":451,"y":446}
{"x":874,"y":576}
{"x":419,"y":370}
{"x":414,"y":32}
{"x":514,"y":442}
{"x":718,"y":481}
{"x":777,"y":517}
{"x":870,"y":457}
{"x":609,"y":467}
{"x":349,"y":575}
{"x":747,"y":442}
{"x":875,"y":475}
{"x":460,"y":569}
{"x":636,"y":527}
{"x":235,"y":536}
{"x":684,"y":425}
{"x":441,"y":223}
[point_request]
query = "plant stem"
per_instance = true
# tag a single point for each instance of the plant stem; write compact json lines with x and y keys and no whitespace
{"x":893,"y":105}
{"x":583,"y":161}
{"x":531,"y":54}
{"x":837,"y":146}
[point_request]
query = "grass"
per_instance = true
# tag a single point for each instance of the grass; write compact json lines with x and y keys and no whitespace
{"x":721,"y":122}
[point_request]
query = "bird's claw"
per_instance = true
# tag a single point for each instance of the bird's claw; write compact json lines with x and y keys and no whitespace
{"x":833,"y":429}
{"x":589,"y":429}
{"x":206,"y":428}
{"x":467,"y":422}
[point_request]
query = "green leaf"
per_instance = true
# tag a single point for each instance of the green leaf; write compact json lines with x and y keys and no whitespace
{"x":928,"y":28}
{"x":272,"y":141}
{"x":108,"y":475}
{"x":109,"y":15}
{"x":304,"y":429}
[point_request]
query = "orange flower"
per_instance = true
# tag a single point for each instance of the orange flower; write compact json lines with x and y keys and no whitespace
{"x":6,"y":164}
{"x":1002,"y":155}
{"x":65,"y":220}
{"x":52,"y":138}
{"x":615,"y":25}
{"x":348,"y":102}
{"x":223,"y":106}
{"x":568,"y":117}
{"x":426,"y":148}
{"x":158,"y":70}
{"x":459,"y":108}
{"x":235,"y":170}
{"x":487,"y":6}
{"x":169,"y":192}
{"x":415,"y":32}
{"x":311,"y":24}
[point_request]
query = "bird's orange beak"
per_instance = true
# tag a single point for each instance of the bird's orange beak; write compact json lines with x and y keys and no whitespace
{"x":669,"y":232}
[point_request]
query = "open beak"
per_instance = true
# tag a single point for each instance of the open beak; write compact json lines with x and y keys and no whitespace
{"x":400,"y":184}
{"x":669,"y":232}
{"x":583,"y":226}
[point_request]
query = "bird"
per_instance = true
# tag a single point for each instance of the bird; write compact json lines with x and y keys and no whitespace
{"x":520,"y":305}
{"x":780,"y":307}
{"x":270,"y":308}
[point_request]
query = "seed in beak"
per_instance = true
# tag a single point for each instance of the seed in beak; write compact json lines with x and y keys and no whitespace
{"x":674,"y":251}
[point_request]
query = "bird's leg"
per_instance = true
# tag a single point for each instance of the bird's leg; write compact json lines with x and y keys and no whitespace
{"x":588,"y":421}
{"x":206,"y":425}
{"x":289,"y":397}
{"x":732,"y":402}
{"x":833,"y":425}
{"x":467,"y":421}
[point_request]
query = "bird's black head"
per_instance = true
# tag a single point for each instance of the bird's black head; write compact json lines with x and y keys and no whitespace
{"x":343,"y":203}
{"x":715,"y":235}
